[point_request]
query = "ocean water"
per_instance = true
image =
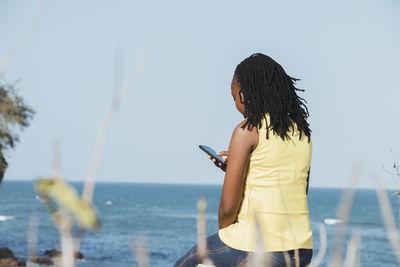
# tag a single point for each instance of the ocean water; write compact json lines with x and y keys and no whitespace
{"x":165,"y":216}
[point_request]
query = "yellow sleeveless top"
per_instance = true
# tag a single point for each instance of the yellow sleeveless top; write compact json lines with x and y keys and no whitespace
{"x":275,"y":193}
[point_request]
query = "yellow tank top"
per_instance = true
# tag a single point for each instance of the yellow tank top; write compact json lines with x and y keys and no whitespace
{"x":275,"y":192}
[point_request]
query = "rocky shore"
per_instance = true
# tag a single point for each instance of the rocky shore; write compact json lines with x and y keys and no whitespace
{"x":7,"y":258}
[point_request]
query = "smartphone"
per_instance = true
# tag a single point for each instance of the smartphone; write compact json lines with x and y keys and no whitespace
{"x":213,"y":154}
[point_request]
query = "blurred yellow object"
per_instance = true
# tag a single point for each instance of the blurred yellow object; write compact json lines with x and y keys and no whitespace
{"x":65,"y":195}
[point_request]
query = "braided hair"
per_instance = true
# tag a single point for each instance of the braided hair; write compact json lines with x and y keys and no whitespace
{"x":266,"y":88}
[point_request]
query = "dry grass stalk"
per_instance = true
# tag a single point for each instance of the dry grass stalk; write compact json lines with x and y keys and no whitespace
{"x":206,"y":263}
{"x":323,"y":244}
{"x":258,"y":257}
{"x":296,"y":252}
{"x":32,"y":239}
{"x":103,"y":133}
{"x":57,"y":160}
{"x":67,"y":243}
{"x":343,"y":215}
{"x":117,"y":68}
{"x":352,"y":256}
{"x":287,"y":259}
{"x":62,"y":221}
{"x":23,"y":41}
{"x":139,"y":250}
{"x":296,"y":258}
{"x":388,"y":218}
{"x":65,"y":223}
{"x":201,"y":232}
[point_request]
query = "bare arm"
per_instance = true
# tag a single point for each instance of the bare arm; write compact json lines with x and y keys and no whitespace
{"x":243,"y":142}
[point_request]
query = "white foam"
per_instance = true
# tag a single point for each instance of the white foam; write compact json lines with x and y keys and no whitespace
{"x":332,"y":221}
{"x":6,"y":218}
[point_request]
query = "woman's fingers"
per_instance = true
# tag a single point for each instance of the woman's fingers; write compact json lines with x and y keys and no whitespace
{"x":213,"y":159}
{"x":222,"y":153}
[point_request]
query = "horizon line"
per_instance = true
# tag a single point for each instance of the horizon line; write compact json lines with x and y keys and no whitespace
{"x":180,"y":183}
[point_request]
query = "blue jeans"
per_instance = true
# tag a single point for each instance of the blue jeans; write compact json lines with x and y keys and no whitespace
{"x":223,"y":255}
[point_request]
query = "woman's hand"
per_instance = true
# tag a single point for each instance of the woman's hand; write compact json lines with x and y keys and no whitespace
{"x":224,"y":155}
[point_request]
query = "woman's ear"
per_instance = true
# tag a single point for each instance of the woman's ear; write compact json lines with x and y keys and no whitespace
{"x":241,"y":97}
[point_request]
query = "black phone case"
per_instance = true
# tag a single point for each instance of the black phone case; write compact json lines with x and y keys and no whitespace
{"x":212,"y":153}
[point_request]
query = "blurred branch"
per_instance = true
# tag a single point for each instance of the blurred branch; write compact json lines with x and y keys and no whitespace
{"x":259,"y":257}
{"x":201,"y":228}
{"x":322,"y":246}
{"x":352,"y":255}
{"x":22,"y":41}
{"x":103,"y":133}
{"x":67,"y":243}
{"x":32,"y":239}
{"x":289,"y":221}
{"x":343,"y":215}
{"x":139,"y":250}
{"x":57,"y":160}
{"x":201,"y":232}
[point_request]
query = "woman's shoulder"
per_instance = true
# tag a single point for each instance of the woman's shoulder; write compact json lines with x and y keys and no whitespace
{"x":245,"y":135}
{"x":244,"y":128}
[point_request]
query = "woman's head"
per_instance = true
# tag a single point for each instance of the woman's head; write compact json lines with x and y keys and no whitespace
{"x":262,"y":86}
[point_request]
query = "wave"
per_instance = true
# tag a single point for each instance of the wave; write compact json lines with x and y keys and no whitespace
{"x":329,"y":221}
{"x":364,"y":223}
{"x":185,"y":215}
{"x":4,"y":218}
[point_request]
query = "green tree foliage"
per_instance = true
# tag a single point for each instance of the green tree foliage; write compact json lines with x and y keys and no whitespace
{"x":3,"y":166}
{"x":15,"y":115}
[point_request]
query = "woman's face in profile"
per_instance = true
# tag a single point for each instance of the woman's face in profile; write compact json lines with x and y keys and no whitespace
{"x":235,"y":89}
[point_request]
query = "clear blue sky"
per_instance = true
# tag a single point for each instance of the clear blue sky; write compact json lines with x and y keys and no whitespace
{"x":346,"y":54}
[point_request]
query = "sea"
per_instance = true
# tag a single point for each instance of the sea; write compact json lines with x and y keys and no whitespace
{"x":162,"y":219}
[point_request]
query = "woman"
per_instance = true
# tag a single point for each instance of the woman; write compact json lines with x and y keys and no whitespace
{"x":267,"y":172}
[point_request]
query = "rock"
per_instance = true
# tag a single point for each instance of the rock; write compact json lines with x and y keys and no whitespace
{"x":53,"y":253}
{"x":9,"y":262}
{"x":42,"y":260}
{"x":7,"y":258}
{"x":6,"y":253}
{"x":21,"y":263}
{"x":78,"y":255}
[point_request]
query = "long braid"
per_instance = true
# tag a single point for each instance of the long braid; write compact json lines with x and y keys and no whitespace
{"x":266,"y":88}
